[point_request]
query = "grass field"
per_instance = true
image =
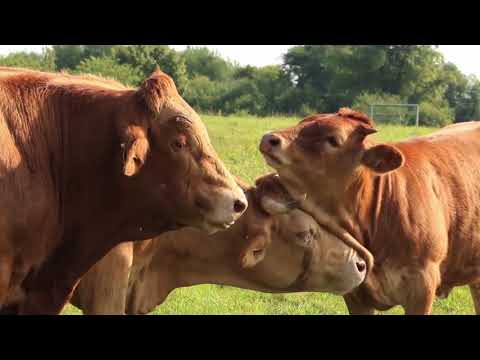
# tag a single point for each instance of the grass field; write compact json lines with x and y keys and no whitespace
{"x":236,"y":140}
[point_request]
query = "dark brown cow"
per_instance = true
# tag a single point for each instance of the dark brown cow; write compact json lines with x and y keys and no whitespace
{"x":271,"y":248}
{"x":414,"y":205}
{"x":87,"y":163}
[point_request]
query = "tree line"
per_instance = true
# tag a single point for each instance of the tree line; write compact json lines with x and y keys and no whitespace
{"x":311,"y":78}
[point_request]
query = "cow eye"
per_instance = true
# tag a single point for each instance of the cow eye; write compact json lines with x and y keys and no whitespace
{"x":332,"y":140}
{"x":182,"y":121}
{"x":178,"y":145}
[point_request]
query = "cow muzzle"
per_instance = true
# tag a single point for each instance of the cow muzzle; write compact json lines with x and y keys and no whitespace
{"x":351,"y":274}
{"x":221,"y":209}
{"x":273,"y":147}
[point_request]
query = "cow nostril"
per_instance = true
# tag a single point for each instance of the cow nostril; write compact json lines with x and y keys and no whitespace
{"x":274,"y":140}
{"x":361,"y":266}
{"x":239,"y":206}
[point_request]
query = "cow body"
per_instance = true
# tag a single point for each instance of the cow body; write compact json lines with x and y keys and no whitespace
{"x":414,"y":204}
{"x":427,"y":226}
{"x":81,"y":171}
{"x":271,"y":251}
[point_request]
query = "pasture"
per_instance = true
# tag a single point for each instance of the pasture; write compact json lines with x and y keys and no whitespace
{"x":236,"y":140}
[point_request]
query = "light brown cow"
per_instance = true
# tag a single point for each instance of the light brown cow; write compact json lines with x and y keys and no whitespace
{"x":87,"y":163}
{"x":414,"y":205}
{"x":271,"y":248}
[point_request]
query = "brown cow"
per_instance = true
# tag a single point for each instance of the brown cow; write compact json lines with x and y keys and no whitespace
{"x":269,"y":249}
{"x":414,"y":205}
{"x":87,"y":163}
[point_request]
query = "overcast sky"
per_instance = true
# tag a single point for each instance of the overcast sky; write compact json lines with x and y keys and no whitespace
{"x":466,"y":57}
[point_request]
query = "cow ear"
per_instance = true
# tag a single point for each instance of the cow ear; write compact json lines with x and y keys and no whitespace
{"x":274,"y":197}
{"x":361,"y":132}
{"x":155,"y":89}
{"x":383,"y":158}
{"x":275,"y":206}
{"x":135,"y":151}
{"x":254,"y":252}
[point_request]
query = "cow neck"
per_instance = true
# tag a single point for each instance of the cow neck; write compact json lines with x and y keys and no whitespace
{"x":87,"y":140}
{"x":202,"y":259}
{"x":198,"y":258}
{"x":330,"y":204}
{"x":367,"y":193}
{"x":302,"y":278}
{"x":91,"y":174}
{"x":369,"y":196}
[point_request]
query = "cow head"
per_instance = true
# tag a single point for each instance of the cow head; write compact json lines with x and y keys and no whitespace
{"x":328,"y":265}
{"x":269,"y":198}
{"x":285,"y":249}
{"x":328,"y":147}
{"x":167,"y":156}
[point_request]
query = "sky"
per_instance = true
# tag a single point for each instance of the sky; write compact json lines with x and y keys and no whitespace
{"x":466,"y":57}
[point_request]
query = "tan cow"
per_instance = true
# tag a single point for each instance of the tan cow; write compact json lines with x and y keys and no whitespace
{"x":414,"y":205}
{"x":86,"y":163}
{"x":272,"y":248}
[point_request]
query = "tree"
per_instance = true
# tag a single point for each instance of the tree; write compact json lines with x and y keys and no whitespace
{"x":244,"y":96}
{"x":205,"y":62}
{"x":468,"y":102}
{"x":108,"y":67}
{"x":330,"y":76}
{"x":272,"y":84}
{"x":144,"y":58}
{"x":456,"y":83}
{"x":97,"y":50}
{"x":44,"y":61}
{"x":70,"y":56}
{"x":365,"y":99}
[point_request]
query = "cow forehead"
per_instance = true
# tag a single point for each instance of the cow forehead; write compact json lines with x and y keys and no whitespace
{"x":179,"y":108}
{"x":324,"y":127}
{"x":176,"y":104}
{"x":297,"y":221}
{"x":328,"y":123}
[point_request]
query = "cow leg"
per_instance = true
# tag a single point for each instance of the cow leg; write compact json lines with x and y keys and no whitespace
{"x":103,"y":290}
{"x":6,"y":264}
{"x":475,"y":292}
{"x":355,"y":307}
{"x":421,"y":289}
{"x":422,"y":306}
{"x":50,"y":289}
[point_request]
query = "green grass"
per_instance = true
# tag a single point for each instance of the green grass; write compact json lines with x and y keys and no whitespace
{"x":236,"y":140}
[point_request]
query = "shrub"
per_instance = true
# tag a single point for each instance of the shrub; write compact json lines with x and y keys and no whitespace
{"x":203,"y":94}
{"x":435,"y":114}
{"x":44,"y":61}
{"x":108,"y":67}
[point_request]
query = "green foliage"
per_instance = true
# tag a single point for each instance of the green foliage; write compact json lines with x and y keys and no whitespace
{"x":398,"y":115}
{"x":68,"y":57}
{"x":244,"y":96}
{"x":44,"y":61}
{"x":109,"y":68}
{"x":312,"y":78}
{"x":365,"y":99}
{"x":467,"y":106}
{"x":204,"y":94}
{"x":144,"y":58}
{"x":438,"y":114}
{"x":205,"y":62}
